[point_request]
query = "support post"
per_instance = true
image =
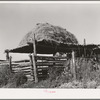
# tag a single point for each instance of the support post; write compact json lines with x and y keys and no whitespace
{"x":10,"y":63}
{"x":54,"y":59}
{"x":31,"y":62}
{"x":73,"y":65}
{"x":84,"y":48}
{"x":7,"y":55}
{"x":34,"y":61}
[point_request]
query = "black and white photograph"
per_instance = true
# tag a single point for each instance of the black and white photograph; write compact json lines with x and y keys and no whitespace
{"x":50,"y":45}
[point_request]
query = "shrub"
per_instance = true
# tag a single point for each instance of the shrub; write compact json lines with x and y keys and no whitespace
{"x":5,"y":75}
{"x":9,"y":79}
{"x":73,"y":84}
{"x":18,"y":78}
{"x":91,"y":84}
{"x":55,"y":80}
{"x":55,"y":72}
{"x":28,"y":84}
{"x":87,"y":76}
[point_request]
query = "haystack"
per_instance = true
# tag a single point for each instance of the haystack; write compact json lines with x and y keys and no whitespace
{"x":49,"y":39}
{"x":49,"y":33}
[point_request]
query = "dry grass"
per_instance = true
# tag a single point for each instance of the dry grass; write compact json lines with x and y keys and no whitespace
{"x":87,"y":76}
{"x":5,"y":75}
{"x":50,"y":33}
{"x":11,"y":80}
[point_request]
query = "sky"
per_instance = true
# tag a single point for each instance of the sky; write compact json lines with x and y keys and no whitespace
{"x":17,"y":19}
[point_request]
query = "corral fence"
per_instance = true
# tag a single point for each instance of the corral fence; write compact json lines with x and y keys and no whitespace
{"x":43,"y":63}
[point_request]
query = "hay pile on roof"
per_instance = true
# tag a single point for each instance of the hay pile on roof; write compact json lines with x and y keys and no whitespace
{"x":49,"y":33}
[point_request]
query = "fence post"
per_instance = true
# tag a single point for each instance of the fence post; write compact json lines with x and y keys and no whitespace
{"x":31,"y":62}
{"x":10,"y":63}
{"x":34,"y":61}
{"x":73,"y":65}
{"x":84,"y":47}
{"x":7,"y":54}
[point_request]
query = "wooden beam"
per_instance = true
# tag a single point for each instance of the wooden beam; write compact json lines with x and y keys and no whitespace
{"x":10,"y":63}
{"x":84,"y":48}
{"x":48,"y":57}
{"x":34,"y":60}
{"x":73,"y":65}
{"x":31,"y":63}
{"x":7,"y":54}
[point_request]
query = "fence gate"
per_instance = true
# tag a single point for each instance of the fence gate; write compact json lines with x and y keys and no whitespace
{"x":43,"y":63}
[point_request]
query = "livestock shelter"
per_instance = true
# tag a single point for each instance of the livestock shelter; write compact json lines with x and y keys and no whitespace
{"x":48,"y":39}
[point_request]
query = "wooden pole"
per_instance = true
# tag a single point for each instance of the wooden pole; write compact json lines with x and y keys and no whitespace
{"x":10,"y":63}
{"x":7,"y":54}
{"x":84,"y":48}
{"x":34,"y":61}
{"x":31,"y":62}
{"x":73,"y":64}
{"x":34,"y":45}
{"x":54,"y":59}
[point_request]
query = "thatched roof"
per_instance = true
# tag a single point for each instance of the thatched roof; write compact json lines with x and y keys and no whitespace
{"x":49,"y":39}
{"x":49,"y":33}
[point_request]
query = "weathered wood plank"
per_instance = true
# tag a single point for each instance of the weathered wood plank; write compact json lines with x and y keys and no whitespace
{"x":49,"y":57}
{"x":20,"y":66}
{"x":42,"y":76}
{"x":59,"y":66}
{"x":28,"y":74}
{"x":25,"y":71}
{"x":48,"y":64}
{"x":31,"y":62}
{"x":56,"y":61}
{"x":73,"y":64}
{"x":10,"y":63}
{"x":26,"y":68}
{"x":34,"y":60}
{"x":42,"y":69}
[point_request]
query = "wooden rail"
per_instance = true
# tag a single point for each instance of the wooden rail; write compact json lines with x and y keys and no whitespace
{"x":42,"y":64}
